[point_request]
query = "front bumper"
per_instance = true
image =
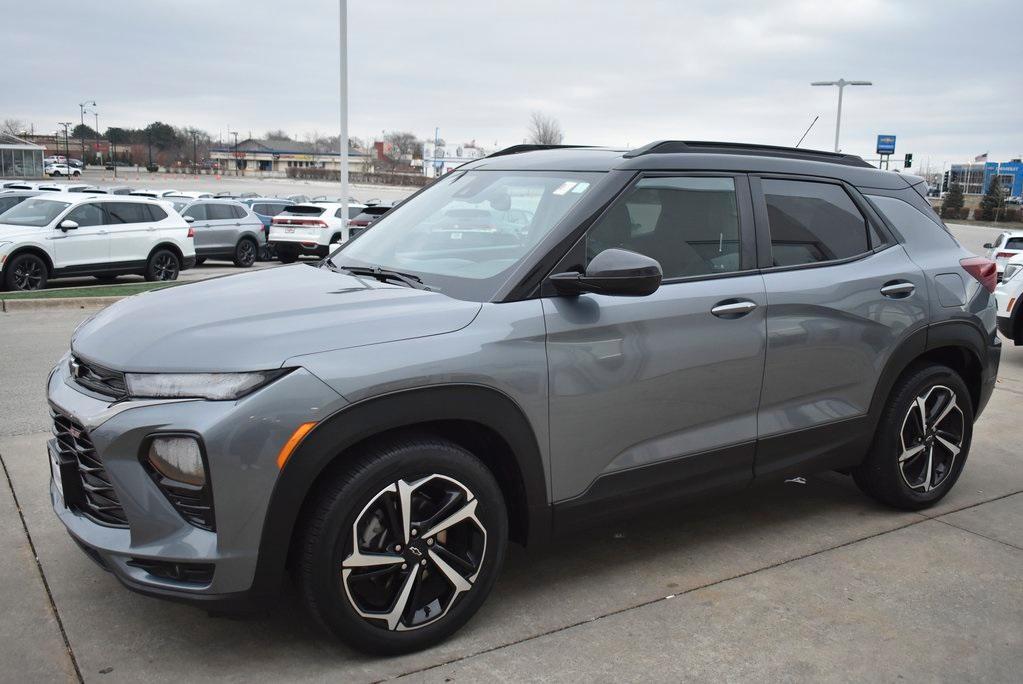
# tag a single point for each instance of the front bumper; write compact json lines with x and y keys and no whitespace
{"x":241,"y":440}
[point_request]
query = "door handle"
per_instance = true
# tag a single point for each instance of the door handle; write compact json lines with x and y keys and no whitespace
{"x":733,"y":308}
{"x":101,"y":232}
{"x":898,"y":289}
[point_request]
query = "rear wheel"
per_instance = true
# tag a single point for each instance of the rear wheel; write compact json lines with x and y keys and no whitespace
{"x":163,"y":264}
{"x":25,"y":272}
{"x":922,"y":439}
{"x":287,"y":254}
{"x":245,"y":252}
{"x":401,"y":549}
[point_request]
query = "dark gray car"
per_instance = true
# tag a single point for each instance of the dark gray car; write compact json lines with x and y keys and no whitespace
{"x":538,"y":341}
{"x":224,"y":229}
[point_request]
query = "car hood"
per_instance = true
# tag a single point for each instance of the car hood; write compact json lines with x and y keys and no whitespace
{"x":11,"y":233}
{"x":257,"y":320}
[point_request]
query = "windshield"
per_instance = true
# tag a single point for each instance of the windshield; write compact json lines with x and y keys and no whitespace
{"x":34,"y":212}
{"x":464,"y":234}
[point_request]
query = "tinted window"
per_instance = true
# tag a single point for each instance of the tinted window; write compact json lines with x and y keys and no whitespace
{"x":238,"y":212}
{"x":812,"y":222}
{"x":1014,"y":243}
{"x":156,"y":213}
{"x":34,"y":212}
{"x":912,"y":224}
{"x":690,"y":225}
{"x":340,"y":213}
{"x":86,"y":215}
{"x":219,"y":212}
{"x":197,"y":212}
{"x":127,"y":212}
{"x":8,"y":202}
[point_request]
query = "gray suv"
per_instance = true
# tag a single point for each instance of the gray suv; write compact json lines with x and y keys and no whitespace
{"x":541,"y":340}
{"x":224,"y":229}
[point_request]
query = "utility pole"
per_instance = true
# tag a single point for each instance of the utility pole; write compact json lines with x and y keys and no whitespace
{"x":67,"y":147}
{"x":343,"y":105}
{"x":841,"y":83}
{"x":81,"y":111}
{"x":95,"y":113}
{"x":235,"y":134}
{"x":195,"y":158}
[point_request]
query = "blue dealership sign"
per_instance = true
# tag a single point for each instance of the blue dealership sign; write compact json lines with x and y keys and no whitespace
{"x":886,"y":144}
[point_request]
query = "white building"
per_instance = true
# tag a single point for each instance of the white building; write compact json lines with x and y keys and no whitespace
{"x":447,"y":157}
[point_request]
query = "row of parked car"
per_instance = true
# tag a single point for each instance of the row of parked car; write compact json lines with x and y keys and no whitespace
{"x":49,"y":231}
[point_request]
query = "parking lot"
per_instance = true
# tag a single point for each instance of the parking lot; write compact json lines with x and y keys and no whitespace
{"x":796,"y":581}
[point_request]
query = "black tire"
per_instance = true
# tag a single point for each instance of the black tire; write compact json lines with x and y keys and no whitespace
{"x":345,"y":498}
{"x":245,"y":253}
{"x":891,"y":465}
{"x":163,"y":265}
{"x":24,"y":273}
{"x":287,"y":254}
{"x":199,"y":261}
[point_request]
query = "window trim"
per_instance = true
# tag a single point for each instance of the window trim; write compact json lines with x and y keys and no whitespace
{"x":747,"y":233}
{"x":763,"y":224}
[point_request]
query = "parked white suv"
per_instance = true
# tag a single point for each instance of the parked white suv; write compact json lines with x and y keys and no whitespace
{"x":54,"y":170}
{"x":68,"y":234}
{"x":308,"y":229}
{"x":1009,"y":295}
{"x":1008,"y":245}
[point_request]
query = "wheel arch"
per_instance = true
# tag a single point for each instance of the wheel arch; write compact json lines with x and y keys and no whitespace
{"x":483,"y":420}
{"x":32,"y":249}
{"x":166,"y":245}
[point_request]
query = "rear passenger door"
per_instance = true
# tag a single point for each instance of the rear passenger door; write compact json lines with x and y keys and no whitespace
{"x":657,"y":395}
{"x":842,"y":295}
{"x":131,"y":231}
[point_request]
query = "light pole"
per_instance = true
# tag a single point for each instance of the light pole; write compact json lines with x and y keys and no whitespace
{"x":81,"y":110}
{"x":235,"y":134}
{"x":343,"y":93}
{"x":841,"y":83}
{"x":67,"y":145}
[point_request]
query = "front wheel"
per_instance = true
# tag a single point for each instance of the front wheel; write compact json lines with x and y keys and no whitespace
{"x":163,"y":265}
{"x":403,"y":545}
{"x":25,"y":272}
{"x":245,"y":253}
{"x":922,"y":439}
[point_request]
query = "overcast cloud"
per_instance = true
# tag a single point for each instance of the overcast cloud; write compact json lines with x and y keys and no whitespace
{"x":947,"y":74}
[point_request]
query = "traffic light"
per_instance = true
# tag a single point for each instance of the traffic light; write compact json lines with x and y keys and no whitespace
{"x":908,"y":162}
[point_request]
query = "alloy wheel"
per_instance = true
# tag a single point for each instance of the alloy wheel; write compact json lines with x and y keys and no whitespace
{"x":931,"y":438}
{"x":165,"y":267}
{"x":28,"y":275}
{"x":246,"y":253}
{"x":416,"y":548}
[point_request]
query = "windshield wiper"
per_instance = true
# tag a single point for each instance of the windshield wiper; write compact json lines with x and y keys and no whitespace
{"x":382,"y":274}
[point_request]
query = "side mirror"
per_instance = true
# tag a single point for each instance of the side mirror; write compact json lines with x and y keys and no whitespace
{"x":189,"y":219}
{"x":988,"y":245}
{"x":616,"y":272}
{"x":68,"y":224}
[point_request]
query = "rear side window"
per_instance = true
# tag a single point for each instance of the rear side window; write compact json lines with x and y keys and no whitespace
{"x":219,"y":212}
{"x":197,"y":212}
{"x":156,"y":213}
{"x":239,"y":212}
{"x":812,"y":222}
{"x":127,"y":212}
{"x":690,"y":225}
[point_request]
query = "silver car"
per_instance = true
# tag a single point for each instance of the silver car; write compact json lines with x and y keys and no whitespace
{"x":224,"y":229}
{"x":541,"y":340}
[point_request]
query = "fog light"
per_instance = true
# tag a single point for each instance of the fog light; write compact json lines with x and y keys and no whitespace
{"x":178,"y":458}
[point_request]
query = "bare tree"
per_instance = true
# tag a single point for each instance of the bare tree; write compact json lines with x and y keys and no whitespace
{"x":544,"y":130}
{"x":279,"y":134}
{"x":404,"y":147}
{"x":13,"y":127}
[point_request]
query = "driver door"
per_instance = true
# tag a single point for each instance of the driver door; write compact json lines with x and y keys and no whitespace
{"x":86,"y":245}
{"x":657,"y":396}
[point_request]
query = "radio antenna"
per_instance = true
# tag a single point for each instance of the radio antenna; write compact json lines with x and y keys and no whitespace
{"x":808,"y":129}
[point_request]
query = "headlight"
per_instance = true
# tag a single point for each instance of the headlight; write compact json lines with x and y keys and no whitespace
{"x":198,"y":385}
{"x":1010,"y":271}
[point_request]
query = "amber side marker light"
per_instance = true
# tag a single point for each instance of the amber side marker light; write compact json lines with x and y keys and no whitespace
{"x":289,"y":447}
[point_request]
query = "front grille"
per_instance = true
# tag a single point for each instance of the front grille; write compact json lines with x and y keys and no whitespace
{"x":109,"y":383}
{"x":91,"y":493}
{"x":195,"y":573}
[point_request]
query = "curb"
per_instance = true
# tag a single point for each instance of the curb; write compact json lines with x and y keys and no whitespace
{"x":8,"y":305}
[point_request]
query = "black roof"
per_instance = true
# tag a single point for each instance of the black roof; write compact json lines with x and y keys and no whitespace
{"x":695,"y":156}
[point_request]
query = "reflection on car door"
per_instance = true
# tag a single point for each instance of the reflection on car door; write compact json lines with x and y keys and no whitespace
{"x":830,"y":329}
{"x":676,"y":386}
{"x":86,"y":245}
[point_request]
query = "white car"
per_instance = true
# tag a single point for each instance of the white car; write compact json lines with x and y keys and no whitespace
{"x":190,"y":194}
{"x":54,"y":170}
{"x":1008,"y":245}
{"x":146,"y":192}
{"x":1009,"y":294}
{"x":65,"y":187}
{"x":313,"y":229}
{"x":70,"y":234}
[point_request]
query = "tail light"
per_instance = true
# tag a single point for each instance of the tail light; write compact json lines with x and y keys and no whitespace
{"x":191,"y":232}
{"x":298,"y":222}
{"x":1005,"y":255}
{"x":984,"y":270}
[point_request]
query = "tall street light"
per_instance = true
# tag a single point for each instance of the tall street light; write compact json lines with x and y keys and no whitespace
{"x":343,"y":92}
{"x":81,"y":109}
{"x":841,"y":83}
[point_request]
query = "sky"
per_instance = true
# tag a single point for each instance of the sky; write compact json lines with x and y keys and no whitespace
{"x":948,"y":75}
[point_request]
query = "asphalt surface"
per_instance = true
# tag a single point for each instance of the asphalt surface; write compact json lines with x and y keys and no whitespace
{"x":802,"y":582}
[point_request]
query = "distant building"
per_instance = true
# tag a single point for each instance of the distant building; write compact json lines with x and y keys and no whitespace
{"x":975,"y":178}
{"x":441,"y":159}
{"x":20,"y":158}
{"x":273,"y":158}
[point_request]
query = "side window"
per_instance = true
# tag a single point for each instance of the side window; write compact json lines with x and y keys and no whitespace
{"x":127,"y":212}
{"x":219,"y":212}
{"x":238,"y":212}
{"x":261,"y":209}
{"x":689,"y":224}
{"x":812,"y":222}
{"x":340,"y":213}
{"x":156,"y":213}
{"x":197,"y":212}
{"x":86,"y":215}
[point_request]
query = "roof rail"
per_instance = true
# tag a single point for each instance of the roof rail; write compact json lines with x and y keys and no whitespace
{"x":704,"y":147}
{"x":519,"y":149}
